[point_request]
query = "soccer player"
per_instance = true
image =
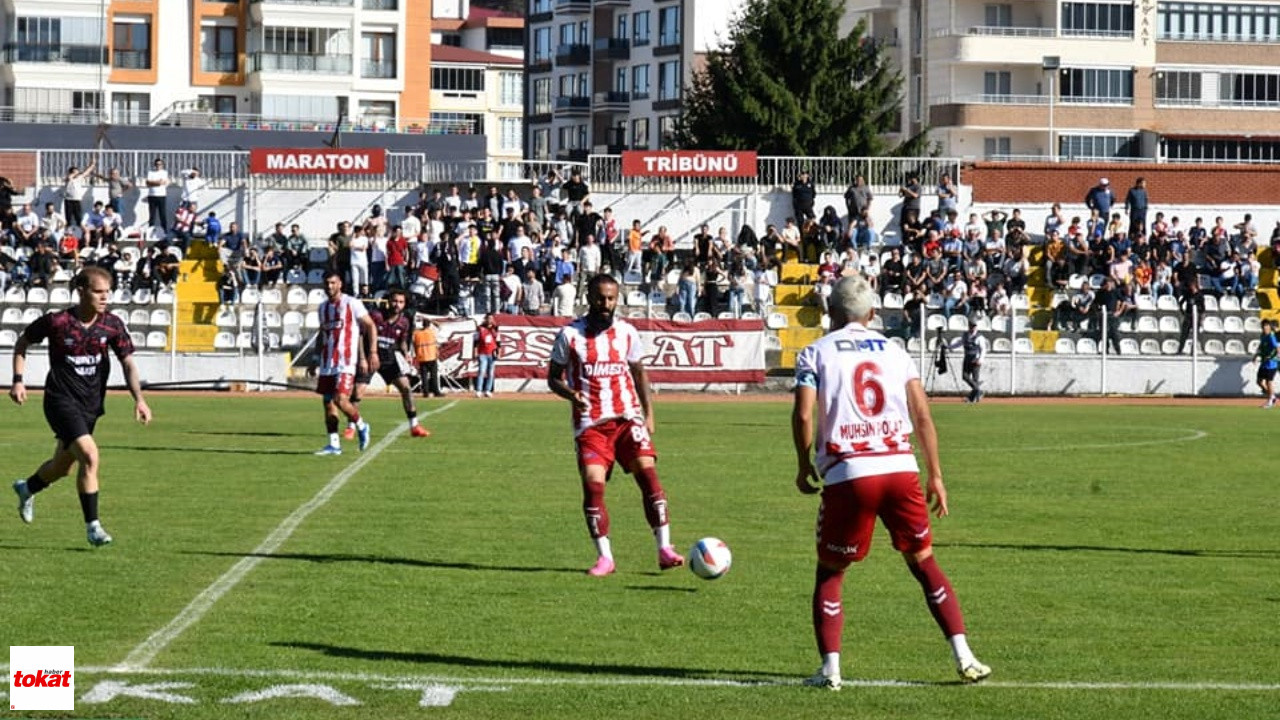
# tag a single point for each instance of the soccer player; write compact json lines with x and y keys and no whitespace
{"x":595,"y":364}
{"x":343,"y":322}
{"x":74,"y":391}
{"x":1266,"y":356}
{"x":869,"y":400}
{"x":393,"y":329}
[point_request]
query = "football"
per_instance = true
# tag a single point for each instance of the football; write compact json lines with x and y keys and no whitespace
{"x":709,"y":558}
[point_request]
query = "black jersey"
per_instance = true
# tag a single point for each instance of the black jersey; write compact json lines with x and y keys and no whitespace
{"x":78,"y":362}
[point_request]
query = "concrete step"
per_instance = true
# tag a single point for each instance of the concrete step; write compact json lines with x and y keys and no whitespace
{"x":195,"y":338}
{"x":201,"y":250}
{"x":791,"y":294}
{"x":800,"y":315}
{"x":798,"y":273}
{"x":1044,"y":341}
{"x":203,"y":312}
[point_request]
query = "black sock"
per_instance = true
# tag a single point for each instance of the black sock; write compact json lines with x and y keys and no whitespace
{"x":89,"y":506}
{"x":411,"y":414}
{"x":35,"y":484}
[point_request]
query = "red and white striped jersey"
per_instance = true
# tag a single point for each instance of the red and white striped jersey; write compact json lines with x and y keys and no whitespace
{"x":864,"y":426}
{"x":340,"y":335}
{"x":598,"y":366}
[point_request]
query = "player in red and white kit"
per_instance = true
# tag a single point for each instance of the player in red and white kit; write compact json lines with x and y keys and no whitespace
{"x":869,"y":401}
{"x":343,"y":322}
{"x":595,"y":364}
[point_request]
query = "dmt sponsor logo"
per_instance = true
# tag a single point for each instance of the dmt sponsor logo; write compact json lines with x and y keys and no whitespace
{"x":42,"y":677}
{"x":345,"y":161}
{"x":698,"y":163}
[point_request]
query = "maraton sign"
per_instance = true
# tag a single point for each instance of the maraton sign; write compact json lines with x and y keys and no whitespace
{"x":689,"y":163}
{"x":324,"y":161}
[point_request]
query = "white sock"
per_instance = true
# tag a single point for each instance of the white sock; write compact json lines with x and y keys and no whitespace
{"x":413,"y":421}
{"x":662,"y":534}
{"x":93,"y":524}
{"x":334,"y":440}
{"x":831,"y":664}
{"x":960,"y":649}
{"x":351,"y":424}
{"x":603,"y":548}
{"x":362,"y":425}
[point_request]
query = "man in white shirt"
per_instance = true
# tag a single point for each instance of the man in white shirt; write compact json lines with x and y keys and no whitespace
{"x":157,"y":182}
{"x":870,"y":403}
{"x":410,"y":226}
{"x":193,"y":185}
{"x":589,"y":258}
{"x":564,"y":297}
{"x":27,"y":227}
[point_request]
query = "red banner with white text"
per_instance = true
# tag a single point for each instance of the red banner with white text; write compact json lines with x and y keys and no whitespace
{"x":323,"y":161}
{"x":689,"y":163}
{"x":697,"y":353}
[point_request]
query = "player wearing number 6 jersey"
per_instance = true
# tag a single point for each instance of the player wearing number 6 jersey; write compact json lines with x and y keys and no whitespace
{"x":869,"y":402}
{"x":595,"y":364}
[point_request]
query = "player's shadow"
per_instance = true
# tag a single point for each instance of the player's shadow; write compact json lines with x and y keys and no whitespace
{"x":215,"y":451}
{"x":401,"y":561}
{"x":241,"y":433}
{"x":661,"y":588}
{"x":1246,"y":554}
{"x":427,"y":658}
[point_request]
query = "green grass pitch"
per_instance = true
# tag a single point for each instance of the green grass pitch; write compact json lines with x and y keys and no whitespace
{"x":1112,"y":562}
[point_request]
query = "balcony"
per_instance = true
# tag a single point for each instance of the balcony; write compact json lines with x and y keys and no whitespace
{"x":576,"y":54}
{"x":573,"y":7}
{"x":613,"y":101}
{"x":989,"y":99}
{"x":286,"y":63}
{"x":572,"y":155}
{"x":312,"y":3}
{"x":572,"y":105}
{"x":380,"y":4}
{"x":131,"y":59}
{"x":62,"y":54}
{"x":613,"y":3}
{"x":219,"y":62}
{"x":668,"y":44}
{"x":613,"y":49}
{"x":382,"y":69}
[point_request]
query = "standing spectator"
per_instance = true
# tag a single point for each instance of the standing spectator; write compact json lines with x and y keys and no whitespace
{"x":613,"y":417}
{"x":73,"y":189}
{"x":117,"y":186}
{"x":947,"y":195}
{"x":711,"y":286}
{"x":1100,"y":198}
{"x":872,"y":477}
{"x":157,"y":182}
{"x":803,"y":195}
{"x":193,"y":185}
{"x":857,"y":200}
{"x":971,"y":369}
{"x":564,"y":297}
{"x":344,"y":322}
{"x":1266,"y":357}
{"x":377,"y":256}
{"x":487,"y":347}
{"x":688,"y":289}
{"x":575,"y":192}
{"x":910,"y":194}
{"x":766,"y":281}
{"x":1191,"y":304}
{"x":1135,"y":204}
{"x":184,"y":222}
{"x":397,"y":259}
{"x":74,"y":392}
{"x":358,"y":259}
{"x":737,"y":287}
{"x":512,"y":286}
{"x":531,"y":293}
{"x":635,"y":248}
{"x":491,"y":264}
{"x":426,"y":353}
{"x":232,"y":247}
{"x":1111,"y":303}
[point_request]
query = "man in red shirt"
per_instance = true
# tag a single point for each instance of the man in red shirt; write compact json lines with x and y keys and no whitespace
{"x":397,"y":259}
{"x":486,"y":356}
{"x":595,"y":364}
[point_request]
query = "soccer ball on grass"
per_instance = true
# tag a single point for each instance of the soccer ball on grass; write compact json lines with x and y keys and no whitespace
{"x":709,"y":558}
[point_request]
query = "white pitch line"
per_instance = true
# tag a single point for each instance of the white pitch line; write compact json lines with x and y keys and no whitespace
{"x":143,"y":654}
{"x":1195,"y":435}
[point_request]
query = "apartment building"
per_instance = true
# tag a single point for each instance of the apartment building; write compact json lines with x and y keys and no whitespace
{"x":608,"y":75}
{"x":477,"y":91}
{"x":456,"y":23}
{"x":139,"y":61}
{"x":1102,"y":79}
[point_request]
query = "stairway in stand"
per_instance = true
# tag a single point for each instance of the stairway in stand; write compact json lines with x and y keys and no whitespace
{"x":793,"y":297}
{"x":197,"y":293}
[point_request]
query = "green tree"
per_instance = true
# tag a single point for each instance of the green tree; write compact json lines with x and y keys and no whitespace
{"x":786,"y":83}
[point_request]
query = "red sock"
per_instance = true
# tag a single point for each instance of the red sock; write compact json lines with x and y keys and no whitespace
{"x":938,"y":595}
{"x":594,"y":509}
{"x":828,"y":611}
{"x":655,"y":500}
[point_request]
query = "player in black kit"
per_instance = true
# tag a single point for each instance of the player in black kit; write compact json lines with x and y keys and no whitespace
{"x":74,"y":391}
{"x":395,"y":330}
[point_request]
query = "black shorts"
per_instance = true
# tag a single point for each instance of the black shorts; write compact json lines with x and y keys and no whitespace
{"x":68,"y":419}
{"x":1265,"y":373}
{"x":388,"y":370}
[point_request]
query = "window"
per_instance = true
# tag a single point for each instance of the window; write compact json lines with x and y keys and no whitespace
{"x":542,"y":96}
{"x":504,"y":38}
{"x":452,"y":39}
{"x":379,"y":51}
{"x":377,"y":110}
{"x":1249,"y":89}
{"x":640,"y":134}
{"x":218,"y":49}
{"x":669,"y":80}
{"x":622,"y":26}
{"x":541,"y":144}
{"x":669,"y":25}
{"x":511,"y":89}
{"x":86,"y":101}
{"x":131,"y":108}
{"x":1178,"y":88}
{"x":1217,"y":22}
{"x":1097,"y":19}
{"x":1098,"y":146}
{"x":542,"y":45}
{"x":620,"y":80}
{"x":996,"y":84}
{"x":71,"y":40}
{"x":573,"y":137}
{"x":998,"y":15}
{"x":131,"y":43}
{"x":510,"y":133}
{"x":997,"y":147}
{"x":1094,"y":85}
{"x":302,"y":107}
{"x":537,"y":7}
{"x":467,"y":123}
{"x":573,"y":85}
{"x":667,"y":132}
{"x":456,"y":79}
{"x":569,"y":34}
{"x":640,"y":82}
{"x":1185,"y":149}
{"x":220,"y":104}
{"x":640,"y":28}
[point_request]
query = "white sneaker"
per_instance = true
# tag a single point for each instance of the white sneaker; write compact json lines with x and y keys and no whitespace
{"x":488,"y":393}
{"x":26,"y":501}
{"x":821,"y":680}
{"x":479,"y":394}
{"x":97,"y":536}
{"x":329,"y":450}
{"x":973,"y":671}
{"x":1270,"y":403}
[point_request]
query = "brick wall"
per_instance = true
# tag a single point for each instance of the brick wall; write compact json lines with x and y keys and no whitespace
{"x":20,"y":168}
{"x":1167,"y":184}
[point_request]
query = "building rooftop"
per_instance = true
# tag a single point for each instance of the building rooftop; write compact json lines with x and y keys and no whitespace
{"x":451,"y":54}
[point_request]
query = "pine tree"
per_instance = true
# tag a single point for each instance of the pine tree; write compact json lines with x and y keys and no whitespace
{"x":786,"y":83}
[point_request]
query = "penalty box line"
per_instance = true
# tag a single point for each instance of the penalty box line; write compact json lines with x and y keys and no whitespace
{"x":622,"y":680}
{"x":144,"y":653}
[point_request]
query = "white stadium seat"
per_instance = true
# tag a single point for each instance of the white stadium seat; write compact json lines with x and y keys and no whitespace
{"x":1252,"y":324}
{"x":1232,"y":325}
{"x":1023,"y":346}
{"x":311,"y":320}
{"x":1150,"y":346}
{"x":1064,"y":346}
{"x":142,"y":296}
{"x":164,"y":296}
{"x":60,"y":296}
{"x":1210,"y":303}
{"x":315,"y":297}
{"x":1212,"y":324}
{"x":244,"y":341}
{"x":272,"y":296}
{"x":160,"y":318}
{"x":271,"y":319}
{"x":139,"y":339}
{"x":224,"y":341}
{"x":296,"y":297}
{"x":1169,"y":325}
{"x":892,"y":301}
{"x":8,"y":338}
{"x":1001,"y":345}
{"x":14,"y":296}
{"x":775,"y":321}
{"x":1229,"y":303}
{"x":156,"y":340}
{"x":1148,"y":324}
{"x":1086,"y":346}
{"x":958,"y":323}
{"x":37,"y":296}
{"x":11,"y":316}
{"x":250,"y":296}
{"x":1129,"y":346}
{"x":139,"y":318}
{"x":1167,"y":303}
{"x":1234,"y":346}
{"x":1214,"y":347}
{"x":1169,"y":347}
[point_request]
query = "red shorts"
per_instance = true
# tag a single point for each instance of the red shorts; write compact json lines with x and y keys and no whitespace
{"x":334,"y":386}
{"x":847,"y":516}
{"x":618,"y":440}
